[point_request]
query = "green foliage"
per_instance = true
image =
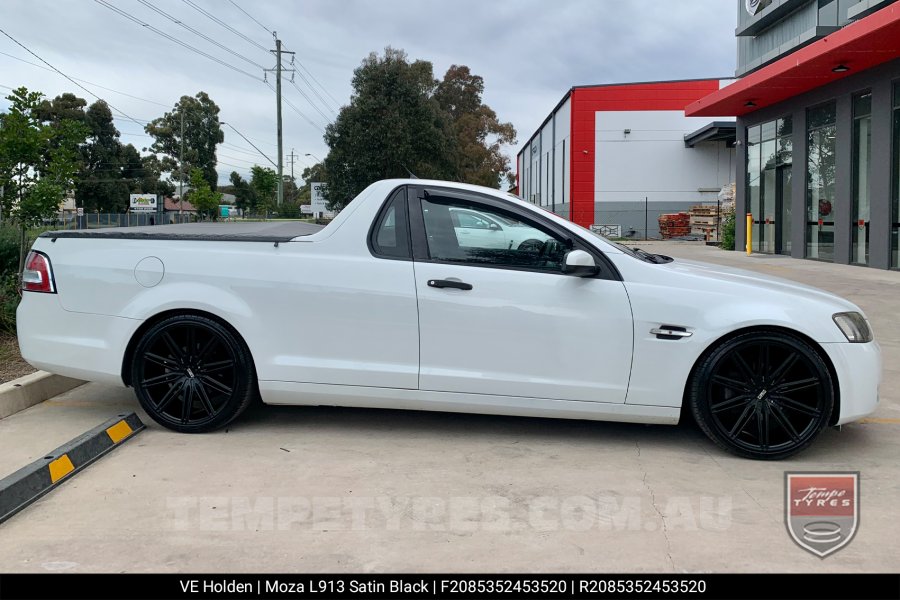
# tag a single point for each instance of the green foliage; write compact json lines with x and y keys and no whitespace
{"x":726,"y":239}
{"x":202,"y":133}
{"x":393,"y":125}
{"x":402,"y":120}
{"x":38,"y":159}
{"x":477,"y":132}
{"x":244,"y":194}
{"x":204,"y":199}
{"x":264,"y":182}
{"x":310,"y":174}
{"x":9,"y":263}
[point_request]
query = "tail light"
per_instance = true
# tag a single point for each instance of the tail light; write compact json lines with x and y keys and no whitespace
{"x":38,"y":274}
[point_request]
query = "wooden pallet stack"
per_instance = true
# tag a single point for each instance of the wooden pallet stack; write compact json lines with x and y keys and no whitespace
{"x":705,"y":221}
{"x":674,"y":225}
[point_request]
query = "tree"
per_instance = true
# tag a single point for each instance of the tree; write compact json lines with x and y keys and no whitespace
{"x":478,"y":133}
{"x":264,"y":182}
{"x":202,"y":133}
{"x":38,"y":161}
{"x":204,"y":199}
{"x":392,"y":126}
{"x":244,"y":194}
{"x":102,"y":185}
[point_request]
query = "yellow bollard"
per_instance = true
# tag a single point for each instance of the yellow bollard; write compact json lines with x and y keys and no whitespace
{"x":749,"y":233}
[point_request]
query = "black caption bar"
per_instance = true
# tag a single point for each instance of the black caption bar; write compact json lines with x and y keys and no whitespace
{"x":328,"y":587}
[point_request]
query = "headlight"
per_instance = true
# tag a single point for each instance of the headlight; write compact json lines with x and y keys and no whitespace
{"x":854,"y":327}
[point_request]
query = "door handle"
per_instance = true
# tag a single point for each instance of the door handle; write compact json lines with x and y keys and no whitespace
{"x":449,"y":283}
{"x":670,"y":332}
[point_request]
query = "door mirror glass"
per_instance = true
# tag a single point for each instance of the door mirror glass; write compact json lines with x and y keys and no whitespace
{"x":579,"y":263}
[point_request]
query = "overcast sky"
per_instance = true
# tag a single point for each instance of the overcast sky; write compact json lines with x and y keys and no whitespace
{"x":528,"y":51}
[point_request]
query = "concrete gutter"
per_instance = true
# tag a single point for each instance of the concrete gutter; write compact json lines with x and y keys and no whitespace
{"x":32,"y":389}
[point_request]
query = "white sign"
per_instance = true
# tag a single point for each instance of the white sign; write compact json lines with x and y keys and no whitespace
{"x":317,"y":197}
{"x":306,"y":209}
{"x":143,"y":202}
{"x":79,"y":211}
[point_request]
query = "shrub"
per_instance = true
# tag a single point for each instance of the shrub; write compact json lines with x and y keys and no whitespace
{"x":9,"y":249}
{"x":9,"y":300}
{"x":726,"y":241}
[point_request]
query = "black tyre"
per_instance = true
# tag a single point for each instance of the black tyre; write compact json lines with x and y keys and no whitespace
{"x":192,"y":375}
{"x":762,"y":395}
{"x":531,"y":245}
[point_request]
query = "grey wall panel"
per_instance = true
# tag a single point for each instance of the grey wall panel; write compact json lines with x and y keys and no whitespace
{"x":880,"y":186}
{"x":843,"y":178}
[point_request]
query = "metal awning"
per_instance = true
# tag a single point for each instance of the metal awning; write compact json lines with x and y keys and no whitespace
{"x":861,"y":45}
{"x":717,"y":131}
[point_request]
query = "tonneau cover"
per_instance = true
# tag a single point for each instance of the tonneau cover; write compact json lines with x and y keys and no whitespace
{"x":238,"y":231}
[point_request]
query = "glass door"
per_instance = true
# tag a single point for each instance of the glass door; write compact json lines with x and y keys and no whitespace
{"x":783,"y":210}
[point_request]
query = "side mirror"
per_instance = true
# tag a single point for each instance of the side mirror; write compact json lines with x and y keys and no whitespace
{"x":579,"y":263}
{"x":494,"y":227}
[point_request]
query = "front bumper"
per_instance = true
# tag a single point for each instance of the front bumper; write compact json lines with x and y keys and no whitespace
{"x":858,"y":368}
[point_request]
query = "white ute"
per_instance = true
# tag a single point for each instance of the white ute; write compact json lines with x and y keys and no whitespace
{"x":388,"y":307}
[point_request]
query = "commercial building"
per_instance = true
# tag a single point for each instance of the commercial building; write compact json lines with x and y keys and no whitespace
{"x":818,"y":128}
{"x":619,"y":155}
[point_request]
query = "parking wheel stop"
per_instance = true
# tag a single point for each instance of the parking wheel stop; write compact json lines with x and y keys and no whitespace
{"x":29,"y":483}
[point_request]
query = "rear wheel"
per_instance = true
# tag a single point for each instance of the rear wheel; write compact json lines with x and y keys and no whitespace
{"x":763,"y":395}
{"x":192,"y":374}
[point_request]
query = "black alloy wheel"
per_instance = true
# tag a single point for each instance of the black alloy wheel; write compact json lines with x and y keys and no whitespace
{"x":192,"y":375}
{"x":762,"y":395}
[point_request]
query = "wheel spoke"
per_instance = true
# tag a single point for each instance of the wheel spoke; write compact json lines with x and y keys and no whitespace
{"x":207,"y":347}
{"x":169,"y":396}
{"x":742,"y":364}
{"x":188,"y":402}
{"x":762,"y":428}
{"x":730,"y":383}
{"x":204,"y":399}
{"x":191,"y":341}
{"x":169,"y":377}
{"x":217,"y":366}
{"x":764,"y":358}
{"x":779,"y":373}
{"x":786,"y":402}
{"x":795,"y":386}
{"x":162,"y":361}
{"x":785,"y":422}
{"x":742,"y":420}
{"x":215,"y":384}
{"x":174,"y":348}
{"x":733,"y":402}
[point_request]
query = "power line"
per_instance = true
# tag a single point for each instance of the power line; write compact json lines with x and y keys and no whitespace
{"x":21,"y":45}
{"x":297,"y":110}
{"x":316,"y":92}
{"x":225,"y":25}
{"x":316,"y":108}
{"x":195,"y":32}
{"x":131,"y":17}
{"x":249,"y":142}
{"x":269,"y":31}
{"x":28,"y":62}
{"x":322,"y":87}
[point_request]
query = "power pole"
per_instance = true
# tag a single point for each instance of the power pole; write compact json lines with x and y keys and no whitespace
{"x":181,"y":166}
{"x":293,"y":157}
{"x":278,"y":69}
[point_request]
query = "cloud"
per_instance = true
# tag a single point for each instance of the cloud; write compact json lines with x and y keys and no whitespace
{"x":530,"y":52}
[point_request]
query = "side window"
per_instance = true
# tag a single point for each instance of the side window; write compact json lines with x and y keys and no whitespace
{"x":502,"y":241}
{"x":390,"y":237}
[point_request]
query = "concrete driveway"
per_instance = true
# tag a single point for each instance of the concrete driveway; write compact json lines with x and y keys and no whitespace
{"x":328,"y":489}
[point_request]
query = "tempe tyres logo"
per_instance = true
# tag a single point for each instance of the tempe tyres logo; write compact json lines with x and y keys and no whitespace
{"x":821,"y":510}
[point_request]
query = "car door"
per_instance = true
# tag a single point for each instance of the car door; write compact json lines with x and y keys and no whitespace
{"x":508,"y":321}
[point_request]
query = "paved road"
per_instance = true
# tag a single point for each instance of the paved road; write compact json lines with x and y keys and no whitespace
{"x":328,"y":489}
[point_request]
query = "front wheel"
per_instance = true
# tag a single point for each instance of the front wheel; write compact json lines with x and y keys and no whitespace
{"x":191,"y":374}
{"x":762,"y":395}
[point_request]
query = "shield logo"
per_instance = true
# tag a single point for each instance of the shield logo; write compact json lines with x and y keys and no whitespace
{"x":821,"y":509}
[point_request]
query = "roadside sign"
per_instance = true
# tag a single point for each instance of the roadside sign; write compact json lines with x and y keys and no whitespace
{"x":79,"y":212}
{"x":317,"y":197}
{"x":306,"y":209}
{"x":142,"y":202}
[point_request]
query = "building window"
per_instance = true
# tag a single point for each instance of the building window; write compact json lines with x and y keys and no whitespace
{"x":862,"y":152}
{"x":820,"y":188}
{"x":769,"y":159}
{"x":895,"y":183}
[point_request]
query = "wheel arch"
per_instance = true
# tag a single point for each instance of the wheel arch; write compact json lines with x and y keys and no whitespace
{"x":836,"y":387}
{"x":153,"y":320}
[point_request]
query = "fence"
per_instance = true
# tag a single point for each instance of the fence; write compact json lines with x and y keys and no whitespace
{"x":663,"y":220}
{"x":104,"y":220}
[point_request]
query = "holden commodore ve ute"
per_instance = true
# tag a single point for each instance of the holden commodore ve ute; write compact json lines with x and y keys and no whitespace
{"x":392,"y":305}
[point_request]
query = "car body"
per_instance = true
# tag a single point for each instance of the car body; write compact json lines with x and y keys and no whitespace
{"x":387,"y":307}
